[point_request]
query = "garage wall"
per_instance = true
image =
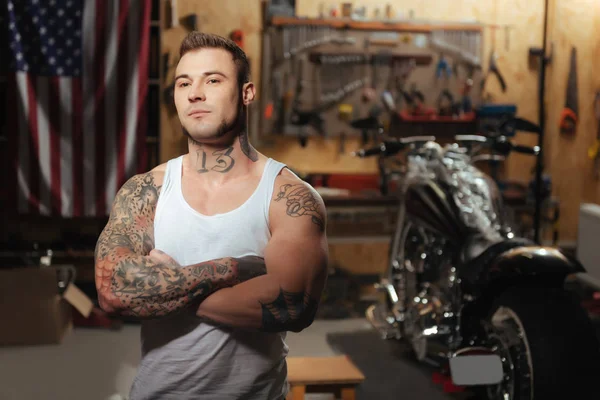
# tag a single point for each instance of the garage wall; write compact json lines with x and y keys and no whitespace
{"x":573,"y":22}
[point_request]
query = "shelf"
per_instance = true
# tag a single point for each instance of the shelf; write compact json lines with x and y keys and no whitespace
{"x":370,"y":56}
{"x":431,"y":116}
{"x":404,"y":26}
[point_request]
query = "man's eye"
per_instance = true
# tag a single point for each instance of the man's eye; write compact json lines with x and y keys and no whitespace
{"x":213,"y":81}
{"x":183,"y":84}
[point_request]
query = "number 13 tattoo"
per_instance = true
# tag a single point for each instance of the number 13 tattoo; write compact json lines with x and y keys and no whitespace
{"x":224,"y":161}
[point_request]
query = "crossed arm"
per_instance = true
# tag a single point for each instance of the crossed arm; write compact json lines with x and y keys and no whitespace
{"x":287,"y":296}
{"x":278,"y":293}
{"x":134,"y":279}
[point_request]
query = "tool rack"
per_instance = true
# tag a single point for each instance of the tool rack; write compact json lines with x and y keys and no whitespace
{"x":315,"y":65}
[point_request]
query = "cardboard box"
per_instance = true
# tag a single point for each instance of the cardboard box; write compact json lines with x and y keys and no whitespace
{"x":36,"y":304}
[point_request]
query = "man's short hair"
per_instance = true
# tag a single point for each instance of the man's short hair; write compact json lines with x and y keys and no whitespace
{"x":199,"y":40}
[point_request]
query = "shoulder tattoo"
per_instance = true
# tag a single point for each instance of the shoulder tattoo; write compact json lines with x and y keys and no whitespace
{"x":301,"y":201}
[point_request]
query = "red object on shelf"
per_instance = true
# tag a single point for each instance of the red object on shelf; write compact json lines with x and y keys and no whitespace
{"x":430,"y":115}
{"x":351,"y":182}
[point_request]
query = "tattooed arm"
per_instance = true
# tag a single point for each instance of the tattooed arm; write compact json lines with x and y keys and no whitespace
{"x":134,"y":279}
{"x":287,"y":297}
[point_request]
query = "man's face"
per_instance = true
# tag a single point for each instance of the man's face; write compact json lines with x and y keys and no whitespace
{"x":207,"y":95}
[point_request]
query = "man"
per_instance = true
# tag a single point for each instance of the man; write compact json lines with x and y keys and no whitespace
{"x":219,"y":251}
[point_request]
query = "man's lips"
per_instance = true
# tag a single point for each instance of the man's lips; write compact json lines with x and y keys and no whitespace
{"x":198,"y":113}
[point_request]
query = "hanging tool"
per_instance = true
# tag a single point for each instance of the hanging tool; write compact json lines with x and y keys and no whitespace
{"x":466,"y":105}
{"x":568,"y":116}
{"x":344,"y":115}
{"x":445,"y":103}
{"x":594,"y":151}
{"x":237,"y":36}
{"x":443,"y":67}
{"x":493,"y":67}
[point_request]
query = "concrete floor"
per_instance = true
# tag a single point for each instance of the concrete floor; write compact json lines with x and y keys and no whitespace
{"x":96,"y":364}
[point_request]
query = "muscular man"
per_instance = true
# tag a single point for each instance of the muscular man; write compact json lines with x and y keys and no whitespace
{"x":219,"y":251}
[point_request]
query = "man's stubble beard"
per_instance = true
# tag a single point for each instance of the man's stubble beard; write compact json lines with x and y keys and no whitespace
{"x":222,"y":130}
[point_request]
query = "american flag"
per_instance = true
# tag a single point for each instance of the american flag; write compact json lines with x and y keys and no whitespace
{"x":77,"y":90}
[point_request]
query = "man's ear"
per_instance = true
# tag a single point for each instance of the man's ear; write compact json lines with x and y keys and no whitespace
{"x":248,"y":93}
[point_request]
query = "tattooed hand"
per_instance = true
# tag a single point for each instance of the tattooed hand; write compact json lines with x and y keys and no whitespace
{"x":249,"y":267}
{"x":163,"y":258}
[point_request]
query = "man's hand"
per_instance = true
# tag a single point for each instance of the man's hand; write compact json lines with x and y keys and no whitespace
{"x":249,"y":267}
{"x":160,"y":257}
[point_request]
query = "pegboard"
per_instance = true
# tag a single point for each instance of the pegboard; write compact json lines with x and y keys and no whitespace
{"x":316,"y":72}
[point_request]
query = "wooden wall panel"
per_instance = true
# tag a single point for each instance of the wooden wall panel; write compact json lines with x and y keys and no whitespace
{"x":572,"y":22}
{"x":359,"y":258}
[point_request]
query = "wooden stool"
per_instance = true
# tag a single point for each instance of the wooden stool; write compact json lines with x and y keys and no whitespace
{"x":336,"y":375}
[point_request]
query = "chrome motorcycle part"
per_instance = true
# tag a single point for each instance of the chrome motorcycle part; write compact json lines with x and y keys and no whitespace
{"x":379,"y":318}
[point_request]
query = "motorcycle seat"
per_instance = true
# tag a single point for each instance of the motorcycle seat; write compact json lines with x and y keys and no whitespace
{"x":479,"y":252}
{"x":474,"y":246}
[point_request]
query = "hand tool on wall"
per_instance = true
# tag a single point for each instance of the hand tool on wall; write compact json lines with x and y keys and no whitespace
{"x":493,"y":69}
{"x":237,"y":35}
{"x":493,"y":66}
{"x":594,"y":151}
{"x":568,"y":116}
{"x":443,"y":68}
{"x":345,"y":116}
{"x":466,"y":106}
{"x":446,"y":105}
{"x":463,"y":46}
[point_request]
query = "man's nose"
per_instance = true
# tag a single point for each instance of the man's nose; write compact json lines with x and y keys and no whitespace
{"x":196,"y":93}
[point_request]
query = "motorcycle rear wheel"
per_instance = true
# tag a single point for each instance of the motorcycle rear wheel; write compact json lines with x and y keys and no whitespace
{"x":548,"y":344}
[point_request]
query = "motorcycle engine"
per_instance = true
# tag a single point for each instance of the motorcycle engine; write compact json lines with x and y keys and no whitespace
{"x":430,"y":291}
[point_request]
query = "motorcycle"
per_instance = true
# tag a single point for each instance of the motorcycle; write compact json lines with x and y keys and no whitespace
{"x":461,"y":289}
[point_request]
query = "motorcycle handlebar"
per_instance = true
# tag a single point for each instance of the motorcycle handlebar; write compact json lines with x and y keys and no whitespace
{"x":391,"y":147}
{"x":501,"y":144}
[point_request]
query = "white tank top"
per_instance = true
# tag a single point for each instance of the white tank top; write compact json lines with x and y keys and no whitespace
{"x":184,"y":358}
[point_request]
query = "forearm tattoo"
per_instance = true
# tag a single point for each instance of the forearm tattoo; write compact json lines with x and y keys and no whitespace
{"x":148,"y":289}
{"x":301,"y":201}
{"x":288,"y":312}
{"x":134,"y":284}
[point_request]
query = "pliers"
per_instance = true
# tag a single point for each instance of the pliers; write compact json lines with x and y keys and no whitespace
{"x":493,"y":68}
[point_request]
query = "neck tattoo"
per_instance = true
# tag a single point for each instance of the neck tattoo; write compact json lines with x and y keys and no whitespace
{"x":247,"y":148}
{"x":223,"y":162}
